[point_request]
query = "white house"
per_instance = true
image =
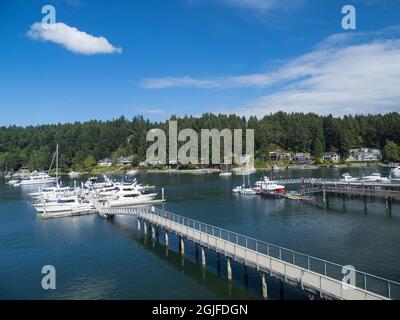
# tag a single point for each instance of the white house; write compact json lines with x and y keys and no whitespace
{"x":331,"y":156}
{"x":125,"y":160}
{"x":105,"y":163}
{"x":365,"y":154}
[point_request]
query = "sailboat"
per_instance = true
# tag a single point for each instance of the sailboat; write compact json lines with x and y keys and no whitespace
{"x":247,"y":190}
{"x":225,"y":172}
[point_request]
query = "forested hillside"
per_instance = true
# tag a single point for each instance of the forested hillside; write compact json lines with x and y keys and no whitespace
{"x":93,"y":140}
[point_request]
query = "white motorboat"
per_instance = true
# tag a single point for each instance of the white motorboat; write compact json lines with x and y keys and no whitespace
{"x":78,"y":209}
{"x":60,"y":205}
{"x":225,"y":174}
{"x":375,"y":177}
{"x":54,"y":193}
{"x":346,"y":177}
{"x":237,"y":189}
{"x":13,"y":182}
{"x":128,"y":196}
{"x":38,"y":178}
{"x":395,"y":173}
{"x":132,"y":172}
{"x":247,"y":191}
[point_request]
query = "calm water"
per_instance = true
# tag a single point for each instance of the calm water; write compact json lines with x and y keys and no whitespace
{"x":100,"y":259}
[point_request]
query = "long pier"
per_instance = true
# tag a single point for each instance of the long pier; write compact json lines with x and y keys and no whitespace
{"x":318,"y":276}
{"x":389,"y":190}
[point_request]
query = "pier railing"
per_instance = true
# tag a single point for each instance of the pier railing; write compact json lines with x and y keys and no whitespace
{"x":365,"y":281}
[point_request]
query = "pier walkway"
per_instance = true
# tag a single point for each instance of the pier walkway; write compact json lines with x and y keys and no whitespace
{"x":312,"y":274}
{"x":388,"y":190}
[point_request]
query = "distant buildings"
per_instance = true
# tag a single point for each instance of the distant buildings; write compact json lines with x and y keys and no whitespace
{"x":302,"y":157}
{"x":105,"y":163}
{"x":365,"y":154}
{"x":281,"y":155}
{"x":330,"y":156}
{"x":125,"y":161}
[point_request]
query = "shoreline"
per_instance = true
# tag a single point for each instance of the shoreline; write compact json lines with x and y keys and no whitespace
{"x":217,"y":170}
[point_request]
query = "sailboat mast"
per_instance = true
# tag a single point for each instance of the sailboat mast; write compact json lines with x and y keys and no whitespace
{"x":57,"y":164}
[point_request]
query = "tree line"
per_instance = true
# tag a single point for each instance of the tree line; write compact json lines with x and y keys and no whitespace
{"x":82,"y":144}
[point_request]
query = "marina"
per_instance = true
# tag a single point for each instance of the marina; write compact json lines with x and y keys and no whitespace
{"x":296,"y":276}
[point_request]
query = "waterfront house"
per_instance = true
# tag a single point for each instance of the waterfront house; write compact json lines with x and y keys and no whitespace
{"x":302,"y":157}
{"x":125,"y":160}
{"x":331,"y":156}
{"x":365,"y":154}
{"x":105,"y":163}
{"x":286,"y":156}
{"x":280,"y":154}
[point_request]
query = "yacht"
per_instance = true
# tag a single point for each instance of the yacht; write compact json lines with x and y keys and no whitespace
{"x":64,"y":204}
{"x":395,"y":173}
{"x":132,"y":172}
{"x":374,"y":177}
{"x":128,"y":196}
{"x":346,"y":177}
{"x":13,"y":182}
{"x":38,"y":178}
{"x":269,"y":186}
{"x":54,"y":193}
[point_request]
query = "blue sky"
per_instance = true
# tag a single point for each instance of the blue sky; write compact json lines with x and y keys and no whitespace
{"x":157,"y":58}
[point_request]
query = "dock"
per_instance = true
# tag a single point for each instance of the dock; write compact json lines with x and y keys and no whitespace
{"x":309,"y":273}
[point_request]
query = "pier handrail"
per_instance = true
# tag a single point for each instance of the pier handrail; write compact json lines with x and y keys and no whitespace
{"x":365,"y":281}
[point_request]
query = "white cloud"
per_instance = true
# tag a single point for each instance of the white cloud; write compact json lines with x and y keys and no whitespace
{"x":256,"y":5}
{"x":72,"y":39}
{"x":341,"y":75}
{"x":153,"y":111}
{"x":253,"y":4}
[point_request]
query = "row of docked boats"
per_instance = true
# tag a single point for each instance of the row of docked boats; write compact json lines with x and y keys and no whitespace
{"x":31,"y":179}
{"x":373,"y":178}
{"x":90,"y":196}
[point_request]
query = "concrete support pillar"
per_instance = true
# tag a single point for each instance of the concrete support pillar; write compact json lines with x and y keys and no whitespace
{"x":246,"y":276}
{"x":166,"y":238}
{"x":218,"y":263}
{"x":153,"y":232}
{"x":138,"y":224}
{"x":229,"y":268}
{"x":145,"y":228}
{"x":203,"y":257}
{"x":281,"y":290}
{"x":181,"y":246}
{"x":264,"y":286}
